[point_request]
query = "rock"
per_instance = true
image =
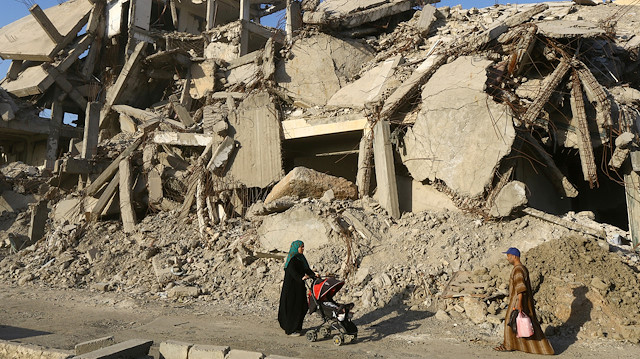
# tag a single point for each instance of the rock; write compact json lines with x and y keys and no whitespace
{"x":319,"y":66}
{"x":443,"y":144}
{"x":26,"y":278}
{"x":510,"y":197}
{"x":597,"y":283}
{"x":476,"y":309}
{"x":183,"y":292}
{"x":442,"y":316}
{"x":624,"y":139}
{"x":304,"y":182}
{"x":328,"y":196}
{"x":100,"y":287}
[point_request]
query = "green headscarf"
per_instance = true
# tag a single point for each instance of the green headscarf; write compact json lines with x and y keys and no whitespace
{"x":293,"y":251}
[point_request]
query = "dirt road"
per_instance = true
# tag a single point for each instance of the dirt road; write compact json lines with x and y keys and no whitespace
{"x":61,"y":319}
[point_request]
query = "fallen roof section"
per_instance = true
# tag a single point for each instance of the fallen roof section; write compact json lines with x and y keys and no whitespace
{"x":26,"y":39}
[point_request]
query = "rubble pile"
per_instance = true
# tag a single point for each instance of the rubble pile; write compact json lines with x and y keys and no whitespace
{"x":419,"y":142}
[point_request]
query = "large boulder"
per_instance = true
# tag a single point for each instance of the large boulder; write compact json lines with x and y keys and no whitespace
{"x":303,"y":182}
{"x":460,"y":134}
{"x":319,"y":65}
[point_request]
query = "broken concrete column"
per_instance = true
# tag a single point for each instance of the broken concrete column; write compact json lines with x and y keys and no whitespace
{"x":387,"y":189}
{"x":91,"y":130}
{"x":294,"y":18}
{"x":39,"y":216}
{"x":444,"y":144}
{"x":57,"y":114}
{"x":126,"y":206}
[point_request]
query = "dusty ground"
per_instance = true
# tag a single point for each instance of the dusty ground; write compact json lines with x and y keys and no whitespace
{"x":62,"y":318}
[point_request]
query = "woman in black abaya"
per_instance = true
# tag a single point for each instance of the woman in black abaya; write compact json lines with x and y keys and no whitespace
{"x":293,"y":299}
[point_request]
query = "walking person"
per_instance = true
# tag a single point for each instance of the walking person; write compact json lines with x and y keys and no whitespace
{"x":521,"y":298}
{"x":293,"y":299}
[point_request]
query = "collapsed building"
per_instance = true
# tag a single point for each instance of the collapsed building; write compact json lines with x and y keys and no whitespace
{"x":546,"y":103}
{"x":165,"y":113}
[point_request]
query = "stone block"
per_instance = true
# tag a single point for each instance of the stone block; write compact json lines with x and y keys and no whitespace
{"x":183,"y":292}
{"x":131,"y":349}
{"x":174,"y":350}
{"x":208,"y":352}
{"x":92,"y":345}
{"x":243,"y":354}
{"x":12,"y":350}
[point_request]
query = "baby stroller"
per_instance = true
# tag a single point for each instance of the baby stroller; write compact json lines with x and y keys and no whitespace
{"x":335,"y":316}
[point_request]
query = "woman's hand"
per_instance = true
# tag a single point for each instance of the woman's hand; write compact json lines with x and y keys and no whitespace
{"x":305,"y":277}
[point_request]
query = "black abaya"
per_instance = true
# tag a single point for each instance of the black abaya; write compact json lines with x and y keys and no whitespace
{"x":293,"y":298}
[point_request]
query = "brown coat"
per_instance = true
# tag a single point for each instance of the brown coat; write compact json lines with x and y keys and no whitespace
{"x":537,"y":343}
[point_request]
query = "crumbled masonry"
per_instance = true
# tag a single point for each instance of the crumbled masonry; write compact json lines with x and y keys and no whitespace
{"x":186,"y":145}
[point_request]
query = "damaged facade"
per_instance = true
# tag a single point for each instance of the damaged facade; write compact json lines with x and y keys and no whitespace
{"x":194,"y":106}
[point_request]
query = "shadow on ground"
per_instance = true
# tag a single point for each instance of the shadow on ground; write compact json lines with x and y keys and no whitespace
{"x":580,"y":314}
{"x":11,"y":333}
{"x":401,"y":319}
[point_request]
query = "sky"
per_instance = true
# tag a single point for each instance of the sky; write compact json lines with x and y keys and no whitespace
{"x":12,"y":10}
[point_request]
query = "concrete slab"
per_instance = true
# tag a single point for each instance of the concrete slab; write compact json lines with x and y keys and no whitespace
{"x":255,"y":128}
{"x":11,"y":201}
{"x":25,"y":39}
{"x":131,"y":349}
{"x":92,"y":345}
{"x":461,"y":133}
{"x":318,"y":126}
{"x":415,"y":197}
{"x":559,"y":29}
{"x":243,"y":354}
{"x":368,"y":88}
{"x":319,"y":66}
{"x":183,"y":139}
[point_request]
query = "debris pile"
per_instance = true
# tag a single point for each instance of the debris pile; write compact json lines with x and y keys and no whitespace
{"x":391,"y":118}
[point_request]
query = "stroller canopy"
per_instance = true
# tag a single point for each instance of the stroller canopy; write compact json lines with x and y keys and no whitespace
{"x":326,"y":288}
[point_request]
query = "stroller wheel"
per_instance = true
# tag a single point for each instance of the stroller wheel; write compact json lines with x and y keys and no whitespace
{"x":312,"y":336}
{"x":325,"y":332}
{"x":338,"y":340}
{"x":350,"y":338}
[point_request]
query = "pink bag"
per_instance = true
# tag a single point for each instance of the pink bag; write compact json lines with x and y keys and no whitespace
{"x":525,"y":327}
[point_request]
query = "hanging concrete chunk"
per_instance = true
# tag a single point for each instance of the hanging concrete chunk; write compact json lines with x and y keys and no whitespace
{"x":255,"y":127}
{"x":461,"y":133}
{"x":319,"y":66}
{"x":512,"y":196}
{"x":304,"y":182}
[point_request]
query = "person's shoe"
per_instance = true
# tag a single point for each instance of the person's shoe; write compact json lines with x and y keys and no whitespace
{"x":295,"y":334}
